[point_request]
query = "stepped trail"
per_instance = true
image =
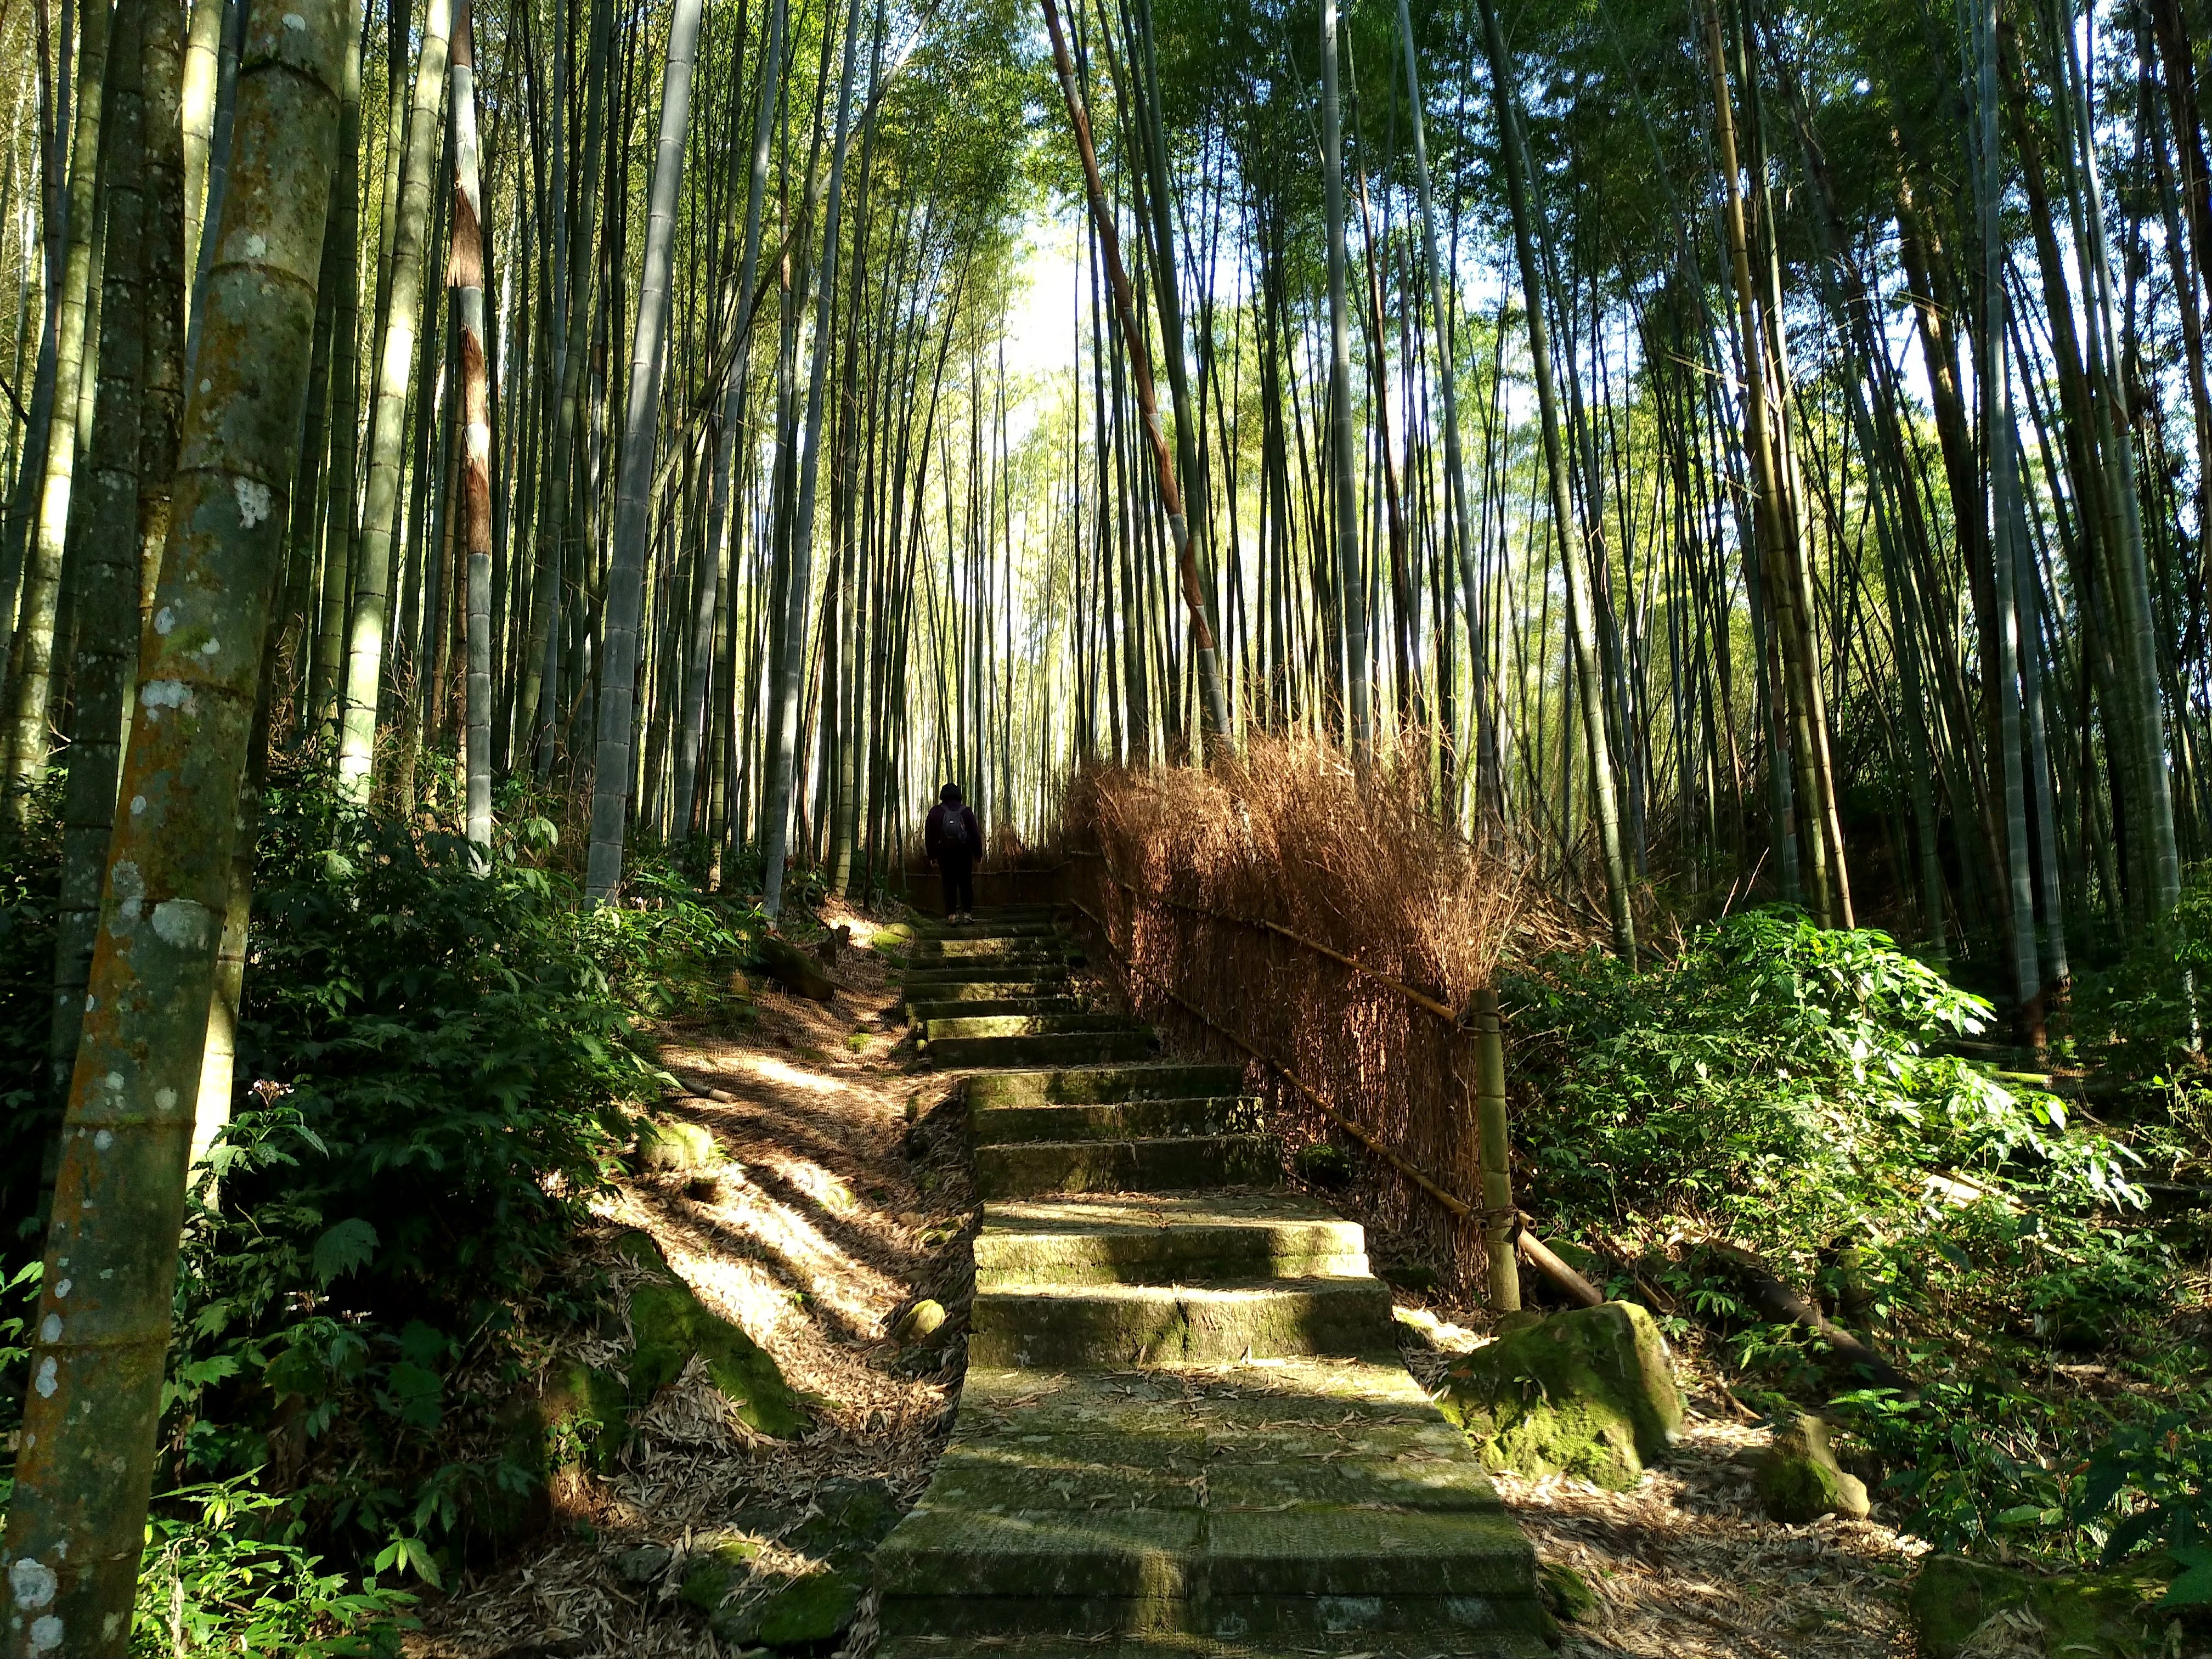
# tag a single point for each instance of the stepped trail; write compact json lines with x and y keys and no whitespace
{"x":1185,"y":1428}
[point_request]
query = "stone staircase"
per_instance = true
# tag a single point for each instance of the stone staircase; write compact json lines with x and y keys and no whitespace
{"x":1185,"y":1430}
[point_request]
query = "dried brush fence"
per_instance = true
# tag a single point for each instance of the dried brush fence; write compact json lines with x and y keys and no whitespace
{"x":1323,"y":927}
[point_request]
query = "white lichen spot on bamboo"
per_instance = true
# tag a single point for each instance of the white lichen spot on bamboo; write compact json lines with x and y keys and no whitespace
{"x":165,"y":694}
{"x":46,"y":1633}
{"x":31,"y":1581}
{"x":164,"y":620}
{"x":48,"y":1378}
{"x":253,"y":497}
{"x":50,"y":1328}
{"x":130,"y":890}
{"x":181,"y":923}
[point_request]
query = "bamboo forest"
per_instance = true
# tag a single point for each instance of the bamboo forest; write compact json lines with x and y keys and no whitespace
{"x":1105,"y":828}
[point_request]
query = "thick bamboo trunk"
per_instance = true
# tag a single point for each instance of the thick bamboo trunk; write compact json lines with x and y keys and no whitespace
{"x":611,"y":772}
{"x":464,"y":270}
{"x":29,"y":680}
{"x":409,"y":216}
{"x":1573,"y":567}
{"x":76,"y":1517}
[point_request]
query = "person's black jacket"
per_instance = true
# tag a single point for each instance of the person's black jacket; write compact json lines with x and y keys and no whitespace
{"x":939,"y":840}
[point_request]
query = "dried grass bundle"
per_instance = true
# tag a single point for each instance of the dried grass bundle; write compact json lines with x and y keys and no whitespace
{"x":1189,"y":868}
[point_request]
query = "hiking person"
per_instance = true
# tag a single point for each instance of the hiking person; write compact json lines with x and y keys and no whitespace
{"x":953,"y":841}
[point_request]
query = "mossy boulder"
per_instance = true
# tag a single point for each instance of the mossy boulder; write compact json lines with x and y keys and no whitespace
{"x":2102,"y":1615}
{"x":675,"y":1148}
{"x":669,"y":1324}
{"x":1590,"y":1393}
{"x":583,"y":1417}
{"x":1800,"y":1481}
{"x":1324,"y":1164}
{"x":850,"y":1518}
{"x":806,"y":1611}
{"x":920,"y":1321}
{"x":1566,"y":1595}
{"x":798,"y":971}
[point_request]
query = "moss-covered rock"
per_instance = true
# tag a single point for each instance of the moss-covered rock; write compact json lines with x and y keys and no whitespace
{"x":850,"y":1518}
{"x":806,"y":1611}
{"x":584,"y":1416}
{"x":1590,"y":1393}
{"x":1800,"y":1481}
{"x":669,"y":1324}
{"x":1566,"y":1595}
{"x":923,"y":1319}
{"x":2106,"y":1615}
{"x":675,"y":1148}
{"x":1324,"y":1164}
{"x":795,"y":969}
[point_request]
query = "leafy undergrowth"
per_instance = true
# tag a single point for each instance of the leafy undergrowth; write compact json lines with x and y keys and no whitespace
{"x":1777,"y":1088}
{"x":434,"y":1060}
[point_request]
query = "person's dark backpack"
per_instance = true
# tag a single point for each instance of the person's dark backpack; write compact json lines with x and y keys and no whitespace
{"x":955,"y":832}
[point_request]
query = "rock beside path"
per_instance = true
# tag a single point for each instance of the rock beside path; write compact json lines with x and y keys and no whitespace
{"x":1591,"y":1393}
{"x":1962,"y":1608}
{"x":1800,"y":1481}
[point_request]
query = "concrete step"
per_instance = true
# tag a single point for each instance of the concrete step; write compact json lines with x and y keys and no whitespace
{"x":1122,"y":1120}
{"x":1053,"y":1326}
{"x":996,"y":1025}
{"x":1104,"y":1084}
{"x":962,"y":949}
{"x":957,"y":984}
{"x":1072,"y":1048}
{"x":1226,"y":1512}
{"x":989,"y":928}
{"x":920,"y":1013}
{"x":932,"y":979}
{"x":1165,"y":1164}
{"x":1449,"y":1643}
{"x":1145,"y":1239}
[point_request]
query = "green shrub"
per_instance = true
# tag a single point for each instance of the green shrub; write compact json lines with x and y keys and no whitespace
{"x":1771,"y":1083}
{"x":224,"y":1573}
{"x":1773,"y":1086}
{"x":428,"y":1057}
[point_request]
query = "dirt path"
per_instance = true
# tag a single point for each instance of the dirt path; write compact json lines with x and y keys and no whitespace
{"x":845,"y":1199}
{"x":842,"y":1201}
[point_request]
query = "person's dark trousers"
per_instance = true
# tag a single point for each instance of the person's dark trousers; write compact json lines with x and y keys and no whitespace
{"x":959,"y":877}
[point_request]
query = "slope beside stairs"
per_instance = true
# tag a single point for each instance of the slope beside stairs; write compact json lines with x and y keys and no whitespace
{"x":1185,"y":1429}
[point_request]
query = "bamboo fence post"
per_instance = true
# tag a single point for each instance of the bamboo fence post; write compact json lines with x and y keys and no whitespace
{"x":1499,"y":1216}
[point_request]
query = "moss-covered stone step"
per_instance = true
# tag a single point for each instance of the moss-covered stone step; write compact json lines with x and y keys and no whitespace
{"x":1004,"y":1025}
{"x":1119,"y":1120}
{"x":963,"y":948}
{"x":920,"y":1013}
{"x":1067,"y":1048}
{"x":950,"y":976}
{"x":1164,"y":1240}
{"x":1027,"y":1025}
{"x":1050,"y":1325}
{"x":1162,"y":1163}
{"x":1104,"y":1084}
{"x":1461,"y":1643}
{"x":994,"y":927}
{"x":1231,"y":1512}
{"x":955,"y":984}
